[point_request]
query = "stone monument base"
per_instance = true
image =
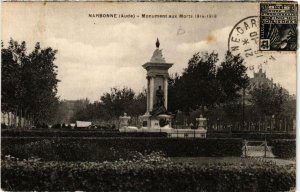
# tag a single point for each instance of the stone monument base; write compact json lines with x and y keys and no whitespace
{"x":153,"y":122}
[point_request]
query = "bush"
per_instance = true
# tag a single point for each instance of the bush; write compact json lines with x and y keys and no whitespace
{"x":147,"y":175}
{"x":104,"y":149}
{"x":41,"y":125}
{"x":284,"y":148}
{"x":55,"y":126}
{"x":3,"y":126}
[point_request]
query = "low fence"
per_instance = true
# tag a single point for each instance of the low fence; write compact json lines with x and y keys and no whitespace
{"x":282,"y":125}
{"x":257,"y":149}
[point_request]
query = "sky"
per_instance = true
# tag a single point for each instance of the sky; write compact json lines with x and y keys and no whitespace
{"x":96,"y":54}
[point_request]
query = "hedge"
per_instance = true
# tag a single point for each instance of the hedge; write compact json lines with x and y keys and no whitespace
{"x":144,"y":176}
{"x":284,"y":148}
{"x":251,"y":135}
{"x":263,"y":136}
{"x":116,"y":133}
{"x":76,"y":133}
{"x":101,"y":149}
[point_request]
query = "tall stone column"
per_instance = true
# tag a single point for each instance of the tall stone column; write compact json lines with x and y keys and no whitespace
{"x":151,"y":93}
{"x":166,"y":92}
{"x":148,"y":94}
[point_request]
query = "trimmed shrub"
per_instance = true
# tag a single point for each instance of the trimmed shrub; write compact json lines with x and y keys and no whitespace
{"x":116,"y":133}
{"x":107,"y":149}
{"x":284,"y":148}
{"x":250,"y":135}
{"x":144,"y":176}
{"x":263,"y":136}
{"x":77,"y":133}
{"x":211,"y":134}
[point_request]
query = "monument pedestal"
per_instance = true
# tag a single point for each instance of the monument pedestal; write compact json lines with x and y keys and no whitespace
{"x":124,"y":124}
{"x":202,"y":123}
{"x":156,"y":122}
{"x":145,"y":119}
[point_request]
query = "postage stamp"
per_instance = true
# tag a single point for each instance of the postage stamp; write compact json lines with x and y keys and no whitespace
{"x":278,"y":26}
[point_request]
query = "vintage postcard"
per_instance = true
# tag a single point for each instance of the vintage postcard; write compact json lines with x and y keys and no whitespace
{"x":148,"y":96}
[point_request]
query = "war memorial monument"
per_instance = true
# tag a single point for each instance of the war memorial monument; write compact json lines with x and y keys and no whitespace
{"x":157,"y":118}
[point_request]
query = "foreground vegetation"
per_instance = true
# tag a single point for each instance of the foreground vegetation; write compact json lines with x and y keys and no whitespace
{"x":110,"y":149}
{"x":139,"y":164}
{"x":152,"y":172}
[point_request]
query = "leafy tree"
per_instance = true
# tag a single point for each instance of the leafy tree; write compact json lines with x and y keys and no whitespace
{"x":268,"y":100}
{"x":174,"y":101}
{"x":40,"y":83}
{"x":232,"y":78}
{"x":203,"y":84}
{"x":289,"y":108}
{"x":30,"y":81}
{"x":80,"y":109}
{"x":117,"y":101}
{"x":10,"y":78}
{"x":197,"y":87}
{"x":138,"y":105}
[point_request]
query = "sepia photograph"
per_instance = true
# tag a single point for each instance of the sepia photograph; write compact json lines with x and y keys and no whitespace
{"x":149,"y":96}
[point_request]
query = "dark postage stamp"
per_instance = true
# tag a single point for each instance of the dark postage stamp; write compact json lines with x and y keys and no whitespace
{"x":278,"y":26}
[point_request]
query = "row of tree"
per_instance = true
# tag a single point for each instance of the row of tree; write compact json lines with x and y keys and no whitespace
{"x":29,"y":81}
{"x":111,"y":106}
{"x":217,"y":91}
{"x":29,"y":89}
{"x":221,"y":93}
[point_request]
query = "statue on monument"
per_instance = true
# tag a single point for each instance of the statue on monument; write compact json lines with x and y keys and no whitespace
{"x":159,"y":107}
{"x":160,"y":97}
{"x":157,"y":43}
{"x":157,"y":54}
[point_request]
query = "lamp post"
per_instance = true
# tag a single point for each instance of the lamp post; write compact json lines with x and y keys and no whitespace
{"x":207,"y":124}
{"x":243,"y":110}
{"x":272,"y":121}
{"x":280,"y":122}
